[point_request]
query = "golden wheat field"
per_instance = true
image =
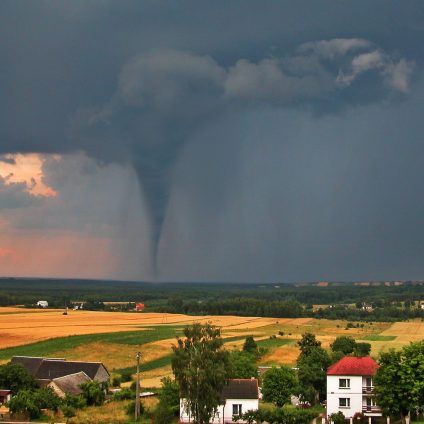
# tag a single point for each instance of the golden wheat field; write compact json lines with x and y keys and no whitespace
{"x":22,"y":326}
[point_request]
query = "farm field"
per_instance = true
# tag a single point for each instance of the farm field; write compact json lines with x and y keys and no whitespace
{"x":114,"y":337}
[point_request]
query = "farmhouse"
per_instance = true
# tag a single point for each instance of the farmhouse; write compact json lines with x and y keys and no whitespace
{"x":69,"y":384}
{"x":238,"y":397}
{"x":350,"y":387}
{"x":45,"y":370}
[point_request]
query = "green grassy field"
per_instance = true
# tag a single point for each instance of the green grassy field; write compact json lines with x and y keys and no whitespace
{"x":51,"y":346}
{"x":378,"y":338}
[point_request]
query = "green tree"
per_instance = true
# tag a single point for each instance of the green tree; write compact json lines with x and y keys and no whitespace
{"x":344,"y":344}
{"x":362,"y":349}
{"x":312,"y":374}
{"x":307,"y":343}
{"x":250,"y":345}
{"x":169,"y":396}
{"x":243,"y":365}
{"x":201,"y":367}
{"x":68,"y":412}
{"x":46,"y":398}
{"x":279,"y":384}
{"x":24,"y":402}
{"x":93,"y":393}
{"x":399,"y":382}
{"x":15,"y":378}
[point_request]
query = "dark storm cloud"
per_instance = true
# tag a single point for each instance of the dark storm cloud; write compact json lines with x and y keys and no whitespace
{"x":133,"y":82}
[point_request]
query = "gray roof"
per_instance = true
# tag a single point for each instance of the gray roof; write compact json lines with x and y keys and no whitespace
{"x":31,"y":363}
{"x":241,"y":389}
{"x":51,"y":368}
{"x":70,"y":384}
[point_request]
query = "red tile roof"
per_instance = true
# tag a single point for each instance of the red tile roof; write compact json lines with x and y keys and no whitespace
{"x":352,"y":365}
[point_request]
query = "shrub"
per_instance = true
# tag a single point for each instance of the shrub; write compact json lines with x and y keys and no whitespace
{"x":116,"y":381}
{"x":124,"y":394}
{"x":126,"y":376}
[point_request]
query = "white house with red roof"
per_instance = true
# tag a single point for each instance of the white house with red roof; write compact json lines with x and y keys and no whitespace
{"x":350,"y":387}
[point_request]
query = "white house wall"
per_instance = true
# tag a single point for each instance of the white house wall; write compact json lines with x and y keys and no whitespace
{"x":225,"y":412}
{"x":354,"y":392}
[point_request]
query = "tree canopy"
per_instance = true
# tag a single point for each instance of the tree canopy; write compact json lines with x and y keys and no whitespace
{"x":279,"y":384}
{"x":201,"y":367}
{"x":15,"y":377}
{"x":399,"y":382}
{"x":243,"y":365}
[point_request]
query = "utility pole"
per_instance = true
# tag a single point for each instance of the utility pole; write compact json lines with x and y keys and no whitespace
{"x":137,"y":388}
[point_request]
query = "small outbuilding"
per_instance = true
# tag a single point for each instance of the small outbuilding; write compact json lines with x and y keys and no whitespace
{"x":5,"y":396}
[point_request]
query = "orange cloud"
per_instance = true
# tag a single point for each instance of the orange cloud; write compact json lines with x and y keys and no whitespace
{"x":26,"y":169}
{"x":49,"y":253}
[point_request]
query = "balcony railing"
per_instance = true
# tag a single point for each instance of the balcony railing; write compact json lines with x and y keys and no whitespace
{"x":371,"y":409}
{"x":367,"y":389}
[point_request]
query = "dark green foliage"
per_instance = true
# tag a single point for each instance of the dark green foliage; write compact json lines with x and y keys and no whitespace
{"x":250,"y":345}
{"x":201,"y":367}
{"x":307,"y":343}
{"x":31,"y":402}
{"x":338,"y":418}
{"x":124,"y":394}
{"x":46,"y":398}
{"x":243,"y":365}
{"x":15,"y":377}
{"x":362,"y":349}
{"x":116,"y":381}
{"x":286,"y":415}
{"x":169,"y":396}
{"x":392,"y":303}
{"x":399,"y":382}
{"x":24,"y":403}
{"x":67,"y":411}
{"x":344,"y":344}
{"x":75,"y":402}
{"x":279,"y":384}
{"x":169,"y":402}
{"x":164,"y":414}
{"x":312,"y":374}
{"x":93,"y":393}
{"x":126,"y":375}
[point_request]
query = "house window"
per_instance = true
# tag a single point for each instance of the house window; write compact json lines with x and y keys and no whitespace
{"x":344,"y":383}
{"x":368,"y":382}
{"x":344,"y":402}
{"x":237,"y":409}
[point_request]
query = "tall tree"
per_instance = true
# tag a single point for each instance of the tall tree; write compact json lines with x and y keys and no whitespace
{"x":307,"y":343}
{"x":201,"y":367}
{"x":279,"y":384}
{"x":399,"y":382}
{"x":344,"y":344}
{"x":15,"y":377}
{"x":243,"y":365}
{"x":312,"y":374}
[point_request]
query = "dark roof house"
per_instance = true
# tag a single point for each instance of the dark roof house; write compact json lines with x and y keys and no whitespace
{"x":47,"y":369}
{"x":241,"y":389}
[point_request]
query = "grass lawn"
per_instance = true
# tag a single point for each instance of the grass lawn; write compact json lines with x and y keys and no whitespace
{"x":378,"y":338}
{"x":273,"y":343}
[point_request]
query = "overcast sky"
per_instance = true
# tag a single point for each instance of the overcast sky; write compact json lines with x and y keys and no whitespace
{"x":212,"y":140}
